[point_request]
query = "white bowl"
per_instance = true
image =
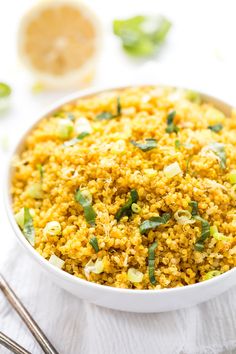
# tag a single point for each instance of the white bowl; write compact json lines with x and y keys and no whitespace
{"x":115,"y":298}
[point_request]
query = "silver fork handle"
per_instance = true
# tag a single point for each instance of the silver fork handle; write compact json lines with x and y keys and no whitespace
{"x":26,"y":317}
{"x":12,"y":345}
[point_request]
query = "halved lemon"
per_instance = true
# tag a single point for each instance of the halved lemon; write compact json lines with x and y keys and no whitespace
{"x":59,"y":41}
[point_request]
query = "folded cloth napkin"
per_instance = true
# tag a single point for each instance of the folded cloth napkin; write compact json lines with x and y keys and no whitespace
{"x":77,"y":327}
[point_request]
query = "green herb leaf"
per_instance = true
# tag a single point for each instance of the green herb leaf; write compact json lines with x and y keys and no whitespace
{"x":28,"y":229}
{"x":142,"y":35}
{"x":219,"y":150}
{"x":148,"y":145}
{"x":151,"y":263}
{"x":126,"y":210}
{"x":216,"y":128}
{"x":153,"y":223}
{"x":171,"y":126}
{"x":94,"y":243}
{"x":108,"y":115}
{"x":84,"y":198}
{"x":74,"y":141}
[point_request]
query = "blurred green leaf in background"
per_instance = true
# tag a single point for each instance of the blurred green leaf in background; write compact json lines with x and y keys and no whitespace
{"x":142,"y":36}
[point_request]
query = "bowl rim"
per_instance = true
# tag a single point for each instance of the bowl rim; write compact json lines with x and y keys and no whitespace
{"x":59,"y":273}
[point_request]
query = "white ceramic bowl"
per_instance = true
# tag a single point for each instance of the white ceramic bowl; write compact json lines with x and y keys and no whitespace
{"x":115,"y":298}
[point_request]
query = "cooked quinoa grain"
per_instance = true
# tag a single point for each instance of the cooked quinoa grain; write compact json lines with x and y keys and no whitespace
{"x":142,"y":178}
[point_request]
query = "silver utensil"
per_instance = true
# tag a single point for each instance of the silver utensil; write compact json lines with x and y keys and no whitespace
{"x":12,"y":345}
{"x":29,"y":321}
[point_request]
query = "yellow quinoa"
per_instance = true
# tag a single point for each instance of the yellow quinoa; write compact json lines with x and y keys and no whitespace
{"x":108,"y":166}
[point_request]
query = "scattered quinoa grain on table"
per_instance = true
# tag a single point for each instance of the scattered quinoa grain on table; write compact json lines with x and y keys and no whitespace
{"x":131,"y":188}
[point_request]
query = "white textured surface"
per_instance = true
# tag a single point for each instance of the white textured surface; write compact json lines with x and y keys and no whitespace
{"x":75,"y":326}
{"x":200,"y":54}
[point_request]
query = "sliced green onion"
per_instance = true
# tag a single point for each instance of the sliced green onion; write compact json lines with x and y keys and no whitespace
{"x":95,"y":268}
{"x":213,"y":230}
{"x":76,"y":140}
{"x":56,"y":261}
{"x":64,"y":128}
{"x":149,"y":144}
{"x":193,"y":96}
{"x":28,"y":228}
{"x":211,"y":274}
{"x":172,"y":170}
{"x":205,"y":233}
{"x":216,"y":127}
{"x":183,"y":217}
{"x":194,"y":206}
{"x":150,"y":172}
{"x":5,"y":90}
{"x":134,"y":275}
{"x":94,"y":243}
{"x":40,"y":169}
{"x":221,"y":237}
{"x":151,"y":263}
{"x":126,"y":210}
{"x":171,"y":126}
{"x":84,"y":198}
{"x":83,"y":125}
{"x":5,"y":93}
{"x":135,"y":208}
{"x":219,"y":151}
{"x":177,"y":144}
{"x":153,"y":223}
{"x":232,"y":177}
{"x":108,"y":115}
{"x":35,"y":191}
{"x":52,"y":228}
{"x":19,"y":217}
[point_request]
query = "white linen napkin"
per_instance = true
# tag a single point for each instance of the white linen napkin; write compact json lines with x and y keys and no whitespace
{"x":76,"y":327}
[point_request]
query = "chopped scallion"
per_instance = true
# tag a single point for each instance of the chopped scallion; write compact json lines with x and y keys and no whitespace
{"x":41,"y":171}
{"x":28,"y":228}
{"x":153,"y":223}
{"x":148,"y":145}
{"x":84,"y":198}
{"x":92,"y":267}
{"x":216,"y":127}
{"x":193,"y":96}
{"x":219,"y":150}
{"x":232,"y":177}
{"x":151,"y":263}
{"x":134,"y":275}
{"x":183,"y":217}
{"x":76,"y":140}
{"x":211,"y":274}
{"x":171,"y":126}
{"x":35,"y":191}
{"x":172,"y":170}
{"x":94,"y":243}
{"x":126,"y":210}
{"x":56,"y":261}
{"x":52,"y":228}
{"x":135,"y":208}
{"x":64,"y":128}
{"x":108,"y":115}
